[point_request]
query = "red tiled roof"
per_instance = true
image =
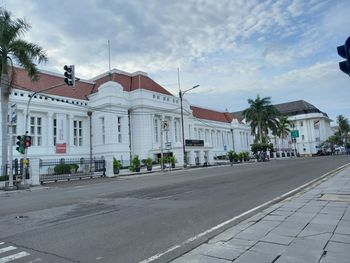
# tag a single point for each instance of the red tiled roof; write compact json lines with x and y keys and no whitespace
{"x":131,"y":83}
{"x":22,"y":81}
{"x":212,"y":115}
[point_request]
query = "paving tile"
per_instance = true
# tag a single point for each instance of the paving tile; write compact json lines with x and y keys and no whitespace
{"x":199,"y":259}
{"x":241,"y":243}
{"x":277,"y":239}
{"x":268,"y":248}
{"x":257,"y":231}
{"x":331,"y":257}
{"x":226,"y":235}
{"x":341,"y":238}
{"x":289,"y":228}
{"x":306,"y":251}
{"x":314,"y":229}
{"x":255,"y":256}
{"x":274,"y":218}
{"x":343,"y":227}
{"x":339,"y":248}
{"x":290,"y":259}
{"x":224,"y":252}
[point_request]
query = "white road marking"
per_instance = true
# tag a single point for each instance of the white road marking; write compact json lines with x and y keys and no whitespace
{"x":5,"y":249}
{"x":35,"y":260}
{"x":277,"y":199}
{"x":13,"y":257}
{"x":1,"y":243}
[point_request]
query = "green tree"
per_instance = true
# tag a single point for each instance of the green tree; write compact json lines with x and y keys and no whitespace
{"x":343,"y":128}
{"x":13,"y":48}
{"x":262,"y":116}
{"x":282,"y":127}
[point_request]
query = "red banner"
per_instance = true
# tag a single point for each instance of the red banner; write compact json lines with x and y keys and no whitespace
{"x":61,"y":147}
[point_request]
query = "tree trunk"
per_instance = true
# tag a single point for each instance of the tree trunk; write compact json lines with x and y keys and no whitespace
{"x":260,"y":132}
{"x":5,"y":96}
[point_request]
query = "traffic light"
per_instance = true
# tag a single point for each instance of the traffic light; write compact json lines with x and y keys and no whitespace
{"x":69,"y":75}
{"x":20,"y":142}
{"x":27,"y":141}
{"x":344,"y":52}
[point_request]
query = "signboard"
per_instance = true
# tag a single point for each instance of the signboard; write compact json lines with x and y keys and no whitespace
{"x":168,"y":145}
{"x":61,"y":142}
{"x":61,"y":147}
{"x":294,"y":134}
{"x":199,"y":143}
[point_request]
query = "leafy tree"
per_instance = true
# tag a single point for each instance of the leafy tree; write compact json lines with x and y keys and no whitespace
{"x":343,"y":128}
{"x":261,"y":115}
{"x":13,"y":48}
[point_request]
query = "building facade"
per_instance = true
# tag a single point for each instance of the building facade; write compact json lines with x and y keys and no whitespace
{"x":118,"y":114}
{"x":311,"y":125}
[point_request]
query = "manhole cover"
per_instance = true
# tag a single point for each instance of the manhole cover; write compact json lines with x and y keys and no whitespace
{"x":336,"y":197}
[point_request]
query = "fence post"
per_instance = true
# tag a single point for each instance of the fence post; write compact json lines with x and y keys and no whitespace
{"x":109,"y":165}
{"x":35,"y":171}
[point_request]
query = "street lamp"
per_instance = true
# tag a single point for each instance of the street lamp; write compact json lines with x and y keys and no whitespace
{"x":181,"y":94}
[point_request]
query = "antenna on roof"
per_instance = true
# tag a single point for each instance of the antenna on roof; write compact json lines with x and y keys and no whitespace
{"x":178,"y":78}
{"x":109,"y":60}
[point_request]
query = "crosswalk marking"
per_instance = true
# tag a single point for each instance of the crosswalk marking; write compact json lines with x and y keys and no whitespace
{"x":13,"y":257}
{"x":5,"y":249}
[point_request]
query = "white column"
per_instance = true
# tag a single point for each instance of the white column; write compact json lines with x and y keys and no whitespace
{"x":35,"y":171}
{"x":49,"y":129}
{"x":109,"y":165}
{"x":70,"y":130}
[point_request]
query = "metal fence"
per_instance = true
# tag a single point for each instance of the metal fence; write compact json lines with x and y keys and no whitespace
{"x":17,"y":169}
{"x":71,"y":169}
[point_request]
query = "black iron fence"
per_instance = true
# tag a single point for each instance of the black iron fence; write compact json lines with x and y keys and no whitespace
{"x":17,"y":170}
{"x":70,"y":169}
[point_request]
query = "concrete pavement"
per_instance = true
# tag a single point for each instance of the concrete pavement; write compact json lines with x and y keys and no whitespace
{"x":313,"y":226}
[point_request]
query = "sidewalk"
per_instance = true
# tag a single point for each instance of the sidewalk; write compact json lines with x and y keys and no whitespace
{"x":313,"y":226}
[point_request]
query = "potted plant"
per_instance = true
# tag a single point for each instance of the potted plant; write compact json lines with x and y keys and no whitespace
{"x":148,"y":163}
{"x":231,"y":155}
{"x":135,"y":164}
{"x":116,"y":166}
{"x":162,"y":162}
{"x":241,"y":156}
{"x":172,"y":160}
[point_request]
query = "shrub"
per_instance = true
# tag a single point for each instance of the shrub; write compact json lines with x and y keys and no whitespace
{"x":4,"y":178}
{"x":116,"y":164}
{"x":172,"y":160}
{"x":64,"y":168}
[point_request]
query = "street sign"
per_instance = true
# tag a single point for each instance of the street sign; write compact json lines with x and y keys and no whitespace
{"x":168,"y":145}
{"x":294,"y":134}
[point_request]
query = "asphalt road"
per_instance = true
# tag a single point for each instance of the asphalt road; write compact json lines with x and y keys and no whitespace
{"x":129,"y":220}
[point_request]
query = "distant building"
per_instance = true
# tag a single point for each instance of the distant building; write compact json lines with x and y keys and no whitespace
{"x":312,"y":124}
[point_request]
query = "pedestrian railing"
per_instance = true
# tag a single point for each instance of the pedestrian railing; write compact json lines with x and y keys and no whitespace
{"x":71,"y":169}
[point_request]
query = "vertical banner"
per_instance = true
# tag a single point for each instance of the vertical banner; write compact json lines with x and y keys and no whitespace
{"x":61,"y":141}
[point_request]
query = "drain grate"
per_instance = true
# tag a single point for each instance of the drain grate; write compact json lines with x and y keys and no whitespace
{"x":336,"y":197}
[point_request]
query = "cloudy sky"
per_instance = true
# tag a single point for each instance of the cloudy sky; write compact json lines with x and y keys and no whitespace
{"x":234,"y":49}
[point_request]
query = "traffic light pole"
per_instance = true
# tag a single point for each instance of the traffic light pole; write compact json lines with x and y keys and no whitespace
{"x":11,"y":156}
{"x":25,"y":158}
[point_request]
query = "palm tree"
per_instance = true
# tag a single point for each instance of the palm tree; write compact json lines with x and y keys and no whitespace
{"x":13,"y":48}
{"x":262,"y":116}
{"x":282,"y":129}
{"x":343,"y":129}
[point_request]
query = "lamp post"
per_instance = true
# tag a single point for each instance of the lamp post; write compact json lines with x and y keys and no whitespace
{"x":181,"y":94}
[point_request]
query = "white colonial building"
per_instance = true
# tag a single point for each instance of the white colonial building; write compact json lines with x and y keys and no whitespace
{"x":119,"y":114}
{"x":311,"y":125}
